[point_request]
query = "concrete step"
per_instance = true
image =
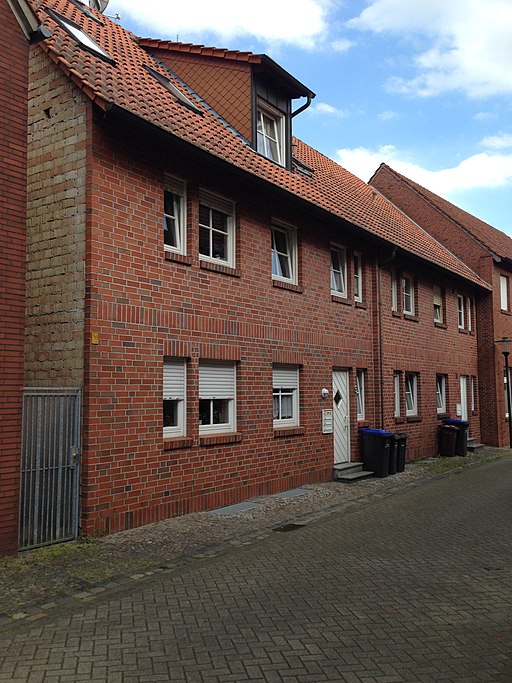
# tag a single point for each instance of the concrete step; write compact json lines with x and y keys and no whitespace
{"x":353,"y":477}
{"x":474,"y":447}
{"x":350,"y":472}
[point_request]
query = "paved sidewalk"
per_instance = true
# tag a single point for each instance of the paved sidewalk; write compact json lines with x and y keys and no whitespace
{"x":404,"y":588}
{"x":39,"y":582}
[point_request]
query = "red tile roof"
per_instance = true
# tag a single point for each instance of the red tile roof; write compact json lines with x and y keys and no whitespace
{"x":491,"y":238}
{"x":128,"y":86}
{"x":220,"y":53}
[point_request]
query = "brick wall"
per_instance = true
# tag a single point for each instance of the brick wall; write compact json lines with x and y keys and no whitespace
{"x":492,"y":324}
{"x":13,"y":117}
{"x":418,"y":345}
{"x":143,"y":306}
{"x":57,"y":131}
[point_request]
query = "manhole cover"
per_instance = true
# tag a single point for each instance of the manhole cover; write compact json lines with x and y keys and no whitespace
{"x":289,"y":527}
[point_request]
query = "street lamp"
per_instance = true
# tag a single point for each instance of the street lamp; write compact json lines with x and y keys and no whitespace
{"x":507,"y":342}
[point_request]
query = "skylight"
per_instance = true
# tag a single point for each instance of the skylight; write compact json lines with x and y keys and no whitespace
{"x":86,"y":11}
{"x":173,"y":89}
{"x":79,"y":35}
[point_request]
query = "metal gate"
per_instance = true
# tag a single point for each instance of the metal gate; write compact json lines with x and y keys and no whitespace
{"x":50,"y":466}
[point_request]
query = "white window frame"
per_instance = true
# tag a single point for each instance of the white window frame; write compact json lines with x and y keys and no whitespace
{"x":358,"y":276}
{"x":411,"y":394}
{"x":265,"y":137}
{"x":177,"y":187}
{"x":397,"y":380}
{"x":285,"y":382}
{"x":460,"y":312}
{"x":341,"y":253}
{"x":215,"y":202}
{"x":360,"y":397}
{"x":469,"y":314}
{"x":438,"y":304}
{"x":217,"y":382}
{"x":473,"y":393}
{"x":394,"y":291}
{"x":441,"y":394}
{"x":504,"y":292}
{"x":175,"y":389}
{"x":290,"y":254}
{"x":408,"y":302}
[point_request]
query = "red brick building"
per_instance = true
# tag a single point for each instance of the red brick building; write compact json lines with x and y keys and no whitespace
{"x":488,"y":252}
{"x":209,"y":355}
{"x":18,"y":24}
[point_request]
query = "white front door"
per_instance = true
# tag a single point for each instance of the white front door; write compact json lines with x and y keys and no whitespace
{"x":341,"y":416}
{"x":464,"y":397}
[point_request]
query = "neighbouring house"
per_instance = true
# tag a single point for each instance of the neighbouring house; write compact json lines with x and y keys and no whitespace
{"x":18,"y":27}
{"x":197,"y":277}
{"x":488,"y":252}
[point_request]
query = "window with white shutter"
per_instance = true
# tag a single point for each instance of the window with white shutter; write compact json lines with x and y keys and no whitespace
{"x":217,"y":397}
{"x":285,"y":389}
{"x":174,"y":394}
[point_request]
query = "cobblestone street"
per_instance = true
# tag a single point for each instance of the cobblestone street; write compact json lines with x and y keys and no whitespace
{"x":416,"y":586}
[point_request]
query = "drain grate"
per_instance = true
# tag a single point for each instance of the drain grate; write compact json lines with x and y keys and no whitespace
{"x":289,"y":527}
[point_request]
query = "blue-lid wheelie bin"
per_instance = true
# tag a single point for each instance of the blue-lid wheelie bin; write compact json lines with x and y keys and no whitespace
{"x":376,"y":446}
{"x":461,"y":442}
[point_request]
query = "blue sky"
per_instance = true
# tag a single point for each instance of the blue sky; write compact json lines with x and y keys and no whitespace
{"x":423,"y":85}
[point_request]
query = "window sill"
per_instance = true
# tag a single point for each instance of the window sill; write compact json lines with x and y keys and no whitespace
{"x":340,"y":299}
{"x":440,"y":326}
{"x":178,"y":258}
{"x":363,"y":424}
{"x":220,"y":268}
{"x":396,"y":314}
{"x":400,"y":420}
{"x":173,"y":444}
{"x":360,"y":304}
{"x":505,"y":312}
{"x":462,"y":330}
{"x":413,"y":418}
{"x":288,"y":431}
{"x":442,"y":416}
{"x":412,"y":317}
{"x":287,"y":285}
{"x":218,"y":439}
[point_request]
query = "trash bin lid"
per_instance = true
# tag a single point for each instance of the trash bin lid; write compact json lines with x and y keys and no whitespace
{"x":457,"y":423}
{"x":367,"y":430}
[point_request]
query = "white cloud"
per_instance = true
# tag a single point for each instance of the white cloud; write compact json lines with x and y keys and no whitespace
{"x":387,"y":115}
{"x":485,"y":116}
{"x":342,"y":45}
{"x":290,"y":21}
{"x":469,"y":43}
{"x":485,"y":170}
{"x":502,"y":141}
{"x":324,"y":109}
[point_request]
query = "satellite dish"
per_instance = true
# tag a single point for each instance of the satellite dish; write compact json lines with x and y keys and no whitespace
{"x":99,"y":5}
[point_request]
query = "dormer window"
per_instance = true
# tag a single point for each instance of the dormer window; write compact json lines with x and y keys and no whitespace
{"x":271,"y":133}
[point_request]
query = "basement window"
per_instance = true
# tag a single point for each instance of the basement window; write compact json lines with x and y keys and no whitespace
{"x":170,"y":87}
{"x":79,"y":35}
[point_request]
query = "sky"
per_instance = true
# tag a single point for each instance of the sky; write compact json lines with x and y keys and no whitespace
{"x":422,"y":85}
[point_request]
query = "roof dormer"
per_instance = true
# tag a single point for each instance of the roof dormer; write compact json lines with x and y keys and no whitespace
{"x":251,"y":92}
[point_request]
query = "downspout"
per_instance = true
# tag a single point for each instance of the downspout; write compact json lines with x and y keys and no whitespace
{"x":379,"y":307}
{"x":304,"y":106}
